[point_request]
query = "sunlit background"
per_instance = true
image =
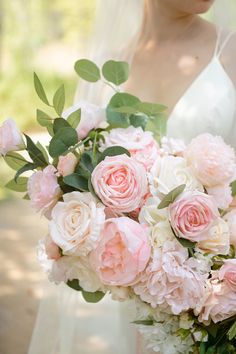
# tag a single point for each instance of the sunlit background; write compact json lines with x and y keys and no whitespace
{"x":46,"y":37}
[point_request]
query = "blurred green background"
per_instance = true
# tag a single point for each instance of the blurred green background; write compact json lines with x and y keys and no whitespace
{"x":42,"y":36}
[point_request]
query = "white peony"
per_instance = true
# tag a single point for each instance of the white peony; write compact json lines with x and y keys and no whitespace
{"x":173,"y":146}
{"x":168,"y":173}
{"x":76,"y":223}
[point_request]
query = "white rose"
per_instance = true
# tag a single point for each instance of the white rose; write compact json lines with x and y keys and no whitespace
{"x":92,"y":116}
{"x":150,"y":214}
{"x":219,"y":239}
{"x":76,"y":223}
{"x":160,"y":230}
{"x":230,"y":218}
{"x":170,"y":172}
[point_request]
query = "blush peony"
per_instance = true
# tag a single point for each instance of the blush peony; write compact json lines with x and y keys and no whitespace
{"x":122,"y":252}
{"x":141,"y":145}
{"x":76,"y":223}
{"x":91,"y":117}
{"x":120,"y":182}
{"x":10,"y":137}
{"x":170,"y":280}
{"x":192,"y":214}
{"x":44,"y":190}
{"x":212,"y":161}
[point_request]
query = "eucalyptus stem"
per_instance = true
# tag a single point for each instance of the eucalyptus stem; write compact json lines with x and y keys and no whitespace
{"x":73,"y":148}
{"x":115,"y":88}
{"x":94,"y":145}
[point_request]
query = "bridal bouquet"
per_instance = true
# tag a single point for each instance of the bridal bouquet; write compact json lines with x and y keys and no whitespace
{"x":134,"y":213}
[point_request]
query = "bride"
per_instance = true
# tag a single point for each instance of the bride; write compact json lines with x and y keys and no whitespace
{"x":178,"y":58}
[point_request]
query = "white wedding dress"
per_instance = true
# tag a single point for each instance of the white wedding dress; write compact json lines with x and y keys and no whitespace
{"x":66,"y":324}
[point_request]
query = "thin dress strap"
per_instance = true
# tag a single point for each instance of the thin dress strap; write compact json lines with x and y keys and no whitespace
{"x":219,"y":48}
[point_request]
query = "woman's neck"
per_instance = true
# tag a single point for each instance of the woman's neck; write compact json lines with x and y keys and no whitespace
{"x":161,"y":23}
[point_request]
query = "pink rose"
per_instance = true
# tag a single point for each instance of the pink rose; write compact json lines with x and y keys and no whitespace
{"x":122,"y":252}
{"x":218,"y":303}
{"x":171,"y":279}
{"x":230,"y":218}
{"x":228,"y":273}
{"x":222,"y":196}
{"x":141,"y":145}
{"x":10,"y":137}
{"x":192,"y":214}
{"x":120,"y":182}
{"x":44,"y":190}
{"x":91,"y":117}
{"x":67,"y":164}
{"x":212,"y":161}
{"x":51,"y":249}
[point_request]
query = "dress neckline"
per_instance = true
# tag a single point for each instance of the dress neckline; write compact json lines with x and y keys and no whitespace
{"x":214,"y":59}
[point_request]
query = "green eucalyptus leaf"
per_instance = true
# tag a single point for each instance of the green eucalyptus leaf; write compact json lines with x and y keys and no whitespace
{"x":43,"y":150}
{"x":50,"y":130}
{"x":144,"y":322}
{"x":25,"y":168}
{"x":35,"y":153}
{"x":15,"y":160}
{"x":202,"y":348}
{"x":91,"y":189}
{"x":86,"y":162}
{"x":76,"y":181}
{"x":233,"y":188}
{"x":43,"y":118}
{"x":126,"y":110}
{"x":186,"y":243}
{"x":232,"y":331}
{"x":183,"y":333}
{"x":150,"y":109}
{"x":117,"y":120}
{"x":59,"y":100}
{"x":19,"y":186}
{"x":40,"y":90}
{"x":113,"y":151}
{"x":123,"y":99}
{"x":116,"y":72}
{"x":74,"y":118}
{"x":171,"y":196}
{"x":138,"y":121}
{"x":62,"y":141}
{"x":158,"y":125}
{"x":74,"y":284}
{"x":93,"y":297}
{"x":87,"y":70}
{"x":60,"y":123}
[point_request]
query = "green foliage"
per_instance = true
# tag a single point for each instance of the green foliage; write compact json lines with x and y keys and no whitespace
{"x":59,"y":100}
{"x":147,"y":322}
{"x":62,"y":141}
{"x":43,"y":150}
{"x":93,"y":297}
{"x":76,"y":181}
{"x":74,"y":284}
{"x":35,"y":153}
{"x":19,"y":186}
{"x":74,"y":118}
{"x":60,"y":123}
{"x":43,"y":118}
{"x":171,"y":196}
{"x":232,"y":331}
{"x":87,"y":70}
{"x":116,"y":72}
{"x":113,"y":151}
{"x":15,"y":160}
{"x":27,"y":167}
{"x":40,"y":90}
{"x":233,"y":188}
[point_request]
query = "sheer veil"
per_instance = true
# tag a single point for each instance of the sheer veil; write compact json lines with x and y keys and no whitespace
{"x":65,"y":324}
